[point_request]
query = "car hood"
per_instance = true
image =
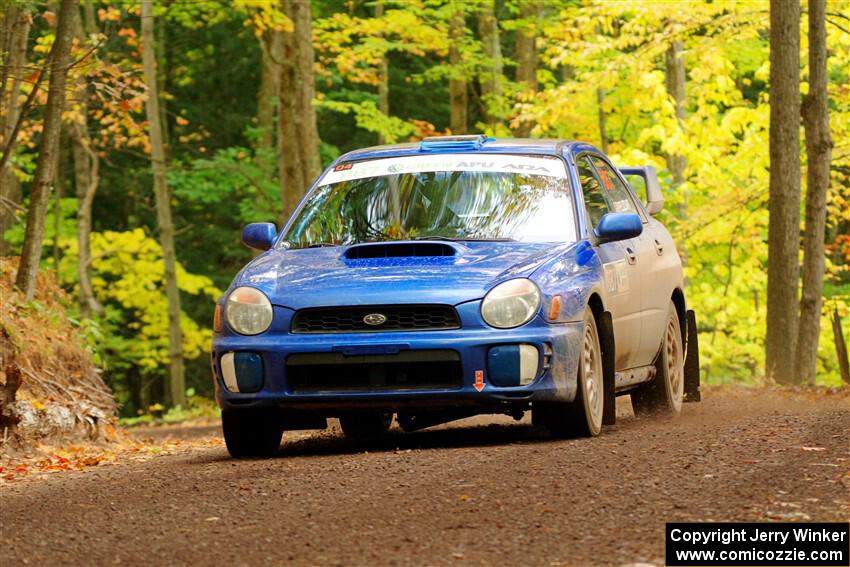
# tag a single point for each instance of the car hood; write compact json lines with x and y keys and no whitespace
{"x":315,"y":277}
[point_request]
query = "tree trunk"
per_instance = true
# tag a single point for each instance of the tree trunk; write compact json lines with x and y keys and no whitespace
{"x":87,"y":167}
{"x":89,"y":18}
{"x":784,"y":207}
{"x":86,"y":180}
{"x":14,"y":43}
{"x":288,"y":118}
{"x":383,"y":77}
{"x":840,"y":347}
{"x":9,"y":387}
{"x":600,"y":105}
{"x":298,"y":136}
{"x":383,"y":92}
{"x":48,"y":149}
{"x":58,"y":195}
{"x":270,"y":49}
{"x":14,"y":33}
{"x":177,"y":386}
{"x":526,"y":55}
{"x":491,"y":80}
{"x":675,"y":79}
{"x":458,"y":94}
{"x":819,"y":154}
{"x":10,"y":205}
{"x":305,"y":79}
{"x":163,"y":55}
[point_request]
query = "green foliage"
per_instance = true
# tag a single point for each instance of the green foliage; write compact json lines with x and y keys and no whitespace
{"x":198,"y":407}
{"x":209,"y":57}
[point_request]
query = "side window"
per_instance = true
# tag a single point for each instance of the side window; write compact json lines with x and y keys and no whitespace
{"x":615,"y":191}
{"x":594,"y":197}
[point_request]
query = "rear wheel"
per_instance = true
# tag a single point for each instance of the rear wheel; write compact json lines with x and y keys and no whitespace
{"x":582,"y":416}
{"x":251,"y":433}
{"x":364,"y":426}
{"x":663,"y":395}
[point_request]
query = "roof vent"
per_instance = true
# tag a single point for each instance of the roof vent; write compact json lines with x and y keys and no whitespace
{"x":398,"y":250}
{"x":452,"y":143}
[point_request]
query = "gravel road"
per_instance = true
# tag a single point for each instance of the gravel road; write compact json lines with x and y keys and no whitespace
{"x":479,"y":492}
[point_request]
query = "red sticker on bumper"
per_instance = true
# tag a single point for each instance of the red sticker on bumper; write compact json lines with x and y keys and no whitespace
{"x":479,"y":380}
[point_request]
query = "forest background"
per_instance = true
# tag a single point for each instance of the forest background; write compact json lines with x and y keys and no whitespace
{"x":183,"y":120}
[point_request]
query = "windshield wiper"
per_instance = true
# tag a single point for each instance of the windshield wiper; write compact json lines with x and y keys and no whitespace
{"x":322,"y":244}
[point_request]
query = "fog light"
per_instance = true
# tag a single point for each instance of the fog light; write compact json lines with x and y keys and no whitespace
{"x":513,"y":365}
{"x":242,"y":371}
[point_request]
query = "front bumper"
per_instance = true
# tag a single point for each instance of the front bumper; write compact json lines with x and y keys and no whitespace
{"x":555,"y":379}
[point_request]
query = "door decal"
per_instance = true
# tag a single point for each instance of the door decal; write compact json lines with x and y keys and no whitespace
{"x":616,"y":277}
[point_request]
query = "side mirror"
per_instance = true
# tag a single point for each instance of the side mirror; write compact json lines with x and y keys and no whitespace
{"x":618,"y":226}
{"x":259,"y":235}
{"x":649,"y":177}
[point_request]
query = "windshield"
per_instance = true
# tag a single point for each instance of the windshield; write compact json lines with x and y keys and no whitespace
{"x":458,"y":197}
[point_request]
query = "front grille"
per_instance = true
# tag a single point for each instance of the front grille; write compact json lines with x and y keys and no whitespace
{"x":405,"y":371}
{"x":398,"y":318}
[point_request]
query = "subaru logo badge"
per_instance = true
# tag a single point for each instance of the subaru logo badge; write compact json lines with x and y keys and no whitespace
{"x":375,"y":319}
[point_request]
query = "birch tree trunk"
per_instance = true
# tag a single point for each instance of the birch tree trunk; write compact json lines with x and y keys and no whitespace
{"x":48,"y":148}
{"x":458,"y":93}
{"x":784,"y":207}
{"x":815,"y":112}
{"x":176,"y":380}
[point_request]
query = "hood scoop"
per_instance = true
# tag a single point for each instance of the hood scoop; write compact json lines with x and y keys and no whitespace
{"x":399,"y":250}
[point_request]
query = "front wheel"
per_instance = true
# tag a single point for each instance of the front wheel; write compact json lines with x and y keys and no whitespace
{"x":583,"y":416}
{"x":663,"y":394}
{"x":251,"y":433}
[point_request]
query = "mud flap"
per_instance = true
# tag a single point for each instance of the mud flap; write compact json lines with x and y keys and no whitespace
{"x":606,"y":340}
{"x":692,"y":378}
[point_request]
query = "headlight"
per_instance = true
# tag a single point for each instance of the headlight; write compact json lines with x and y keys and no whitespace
{"x":511,"y":304}
{"x":248,"y":311}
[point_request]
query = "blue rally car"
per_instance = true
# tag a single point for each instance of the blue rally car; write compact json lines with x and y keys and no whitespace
{"x":456,"y":276}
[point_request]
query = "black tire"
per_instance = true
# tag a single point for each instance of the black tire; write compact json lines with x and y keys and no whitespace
{"x":663,"y":395}
{"x":365,"y":426}
{"x":583,"y":416}
{"x":251,"y":433}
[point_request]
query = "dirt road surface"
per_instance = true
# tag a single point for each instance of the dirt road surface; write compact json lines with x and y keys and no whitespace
{"x":479,"y":492}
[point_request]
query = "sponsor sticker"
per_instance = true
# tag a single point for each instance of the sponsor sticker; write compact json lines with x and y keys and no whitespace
{"x":498,"y":163}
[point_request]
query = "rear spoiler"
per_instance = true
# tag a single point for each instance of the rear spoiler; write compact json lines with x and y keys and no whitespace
{"x":654,"y":198}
